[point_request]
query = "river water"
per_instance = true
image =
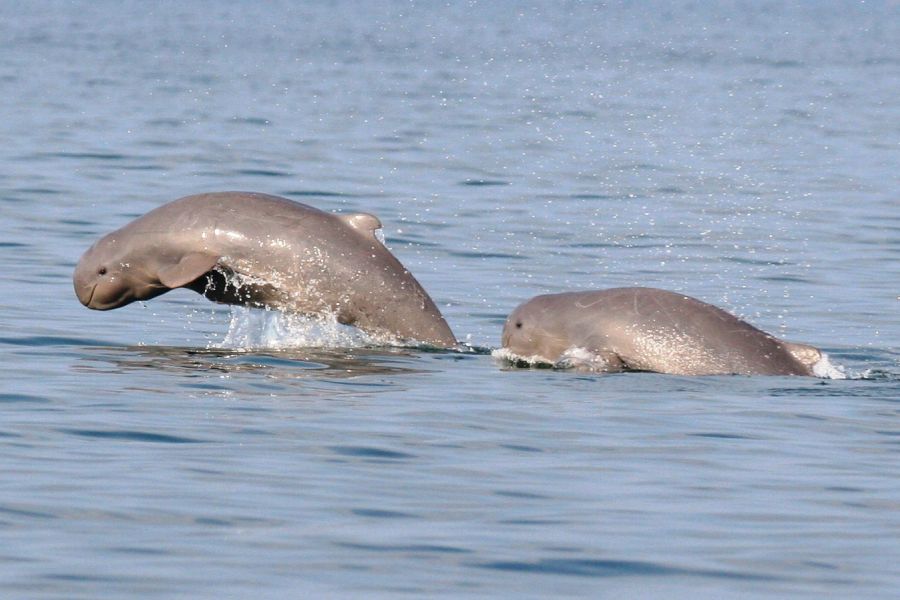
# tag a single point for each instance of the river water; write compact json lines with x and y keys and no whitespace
{"x":747,"y":154}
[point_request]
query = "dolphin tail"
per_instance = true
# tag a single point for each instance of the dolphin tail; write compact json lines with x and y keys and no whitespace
{"x":807,"y":355}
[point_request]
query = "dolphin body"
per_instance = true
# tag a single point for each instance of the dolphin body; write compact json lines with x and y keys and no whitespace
{"x":646,"y":329}
{"x":264,"y":251}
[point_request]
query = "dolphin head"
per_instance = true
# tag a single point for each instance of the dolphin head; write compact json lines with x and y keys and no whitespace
{"x":109,"y":275}
{"x":529,"y":331}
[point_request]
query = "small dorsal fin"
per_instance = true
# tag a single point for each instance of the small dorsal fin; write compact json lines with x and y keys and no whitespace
{"x":362,"y":222}
{"x":804,"y":353}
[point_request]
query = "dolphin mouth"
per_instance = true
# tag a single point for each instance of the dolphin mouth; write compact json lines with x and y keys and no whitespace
{"x":98,"y":305}
{"x":86,"y":295}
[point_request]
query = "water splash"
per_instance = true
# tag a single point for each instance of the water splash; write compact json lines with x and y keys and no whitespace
{"x":254,"y":329}
{"x":508,"y":357}
{"x":582,"y":359}
{"x":573,"y":359}
{"x":825,"y":369}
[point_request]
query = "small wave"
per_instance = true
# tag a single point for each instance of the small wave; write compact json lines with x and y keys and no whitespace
{"x":10,"y":398}
{"x":876,"y":375}
{"x":262,"y":172}
{"x":483,"y":182}
{"x":405,"y":548}
{"x":84,"y":155}
{"x":316,"y":193}
{"x":51,"y":340}
{"x":369,"y":452}
{"x":380,"y":513}
{"x":130,"y":435}
{"x":588,"y":567}
{"x":249,"y":121}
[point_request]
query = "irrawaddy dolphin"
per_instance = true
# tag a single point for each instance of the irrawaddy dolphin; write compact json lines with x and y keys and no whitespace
{"x":646,"y":329}
{"x":265,"y":251}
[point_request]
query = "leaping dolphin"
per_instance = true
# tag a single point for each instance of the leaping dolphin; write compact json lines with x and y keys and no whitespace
{"x":265,"y":251}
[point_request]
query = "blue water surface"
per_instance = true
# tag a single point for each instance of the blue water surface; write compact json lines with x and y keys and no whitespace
{"x":747,"y":154}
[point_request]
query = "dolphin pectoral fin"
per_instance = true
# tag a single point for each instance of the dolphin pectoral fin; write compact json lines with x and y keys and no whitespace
{"x":190,"y":267}
{"x":807,"y":355}
{"x":363,"y":222}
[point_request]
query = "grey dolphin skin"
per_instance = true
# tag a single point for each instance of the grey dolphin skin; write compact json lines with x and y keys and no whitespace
{"x":260,"y":250}
{"x":646,"y":329}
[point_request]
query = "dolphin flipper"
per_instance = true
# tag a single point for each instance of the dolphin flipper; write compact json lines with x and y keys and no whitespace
{"x":189,"y":268}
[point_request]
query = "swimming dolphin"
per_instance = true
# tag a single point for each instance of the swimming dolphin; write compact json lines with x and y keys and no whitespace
{"x":265,"y":251}
{"x":646,"y":329}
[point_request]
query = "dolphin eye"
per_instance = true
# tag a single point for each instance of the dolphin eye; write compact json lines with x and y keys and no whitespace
{"x":101,"y":271}
{"x":518,"y":324}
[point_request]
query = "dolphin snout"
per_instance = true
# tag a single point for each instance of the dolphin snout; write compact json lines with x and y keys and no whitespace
{"x":85,"y":293}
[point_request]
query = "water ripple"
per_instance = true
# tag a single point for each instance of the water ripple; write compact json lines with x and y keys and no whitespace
{"x":263,"y":173}
{"x":405,"y":548}
{"x":612,"y":568}
{"x":316,"y":194}
{"x":484,"y":182}
{"x":377,"y":513}
{"x":370,"y":452}
{"x":11,"y":398}
{"x":132,"y":436}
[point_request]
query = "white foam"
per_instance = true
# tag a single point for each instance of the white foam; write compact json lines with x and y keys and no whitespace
{"x":826,"y":370}
{"x":579,"y":359}
{"x":506,"y":355}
